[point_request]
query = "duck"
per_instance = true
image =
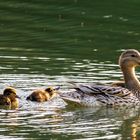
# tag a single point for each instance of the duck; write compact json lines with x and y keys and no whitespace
{"x":42,"y":95}
{"x":9,"y":98}
{"x":119,"y":94}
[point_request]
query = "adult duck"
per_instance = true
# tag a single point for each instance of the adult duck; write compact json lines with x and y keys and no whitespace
{"x":92,"y":94}
{"x":41,"y":95}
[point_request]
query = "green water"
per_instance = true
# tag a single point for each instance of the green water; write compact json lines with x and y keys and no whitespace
{"x":51,"y":42}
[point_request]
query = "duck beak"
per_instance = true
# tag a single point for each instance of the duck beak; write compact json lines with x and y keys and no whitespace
{"x":17,"y":96}
{"x":57,"y":88}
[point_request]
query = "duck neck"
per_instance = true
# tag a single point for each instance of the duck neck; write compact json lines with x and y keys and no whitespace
{"x":131,"y":81}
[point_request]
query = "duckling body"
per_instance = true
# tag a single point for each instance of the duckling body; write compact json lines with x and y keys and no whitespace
{"x":5,"y":102}
{"x":127,"y":93}
{"x":42,"y":95}
{"x":9,"y":98}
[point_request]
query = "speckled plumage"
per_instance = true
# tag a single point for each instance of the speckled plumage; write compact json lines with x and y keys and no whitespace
{"x":127,"y":93}
{"x":96,"y":95}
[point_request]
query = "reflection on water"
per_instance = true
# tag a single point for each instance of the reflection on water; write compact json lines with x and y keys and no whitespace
{"x":105,"y":123}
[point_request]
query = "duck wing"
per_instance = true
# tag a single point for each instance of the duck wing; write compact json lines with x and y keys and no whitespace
{"x":95,"y":90}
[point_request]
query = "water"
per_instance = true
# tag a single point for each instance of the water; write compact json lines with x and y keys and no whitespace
{"x":50,"y":43}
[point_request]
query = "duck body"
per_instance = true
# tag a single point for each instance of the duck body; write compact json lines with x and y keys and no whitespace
{"x":117,"y":94}
{"x":98,"y":95}
{"x":39,"y":96}
{"x":42,"y":95}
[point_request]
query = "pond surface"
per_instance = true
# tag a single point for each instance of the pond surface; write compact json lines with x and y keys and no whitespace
{"x":50,"y":43}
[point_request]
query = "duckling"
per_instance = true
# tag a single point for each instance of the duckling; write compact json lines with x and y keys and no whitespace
{"x":42,"y":95}
{"x":9,"y":98}
{"x":98,"y":95}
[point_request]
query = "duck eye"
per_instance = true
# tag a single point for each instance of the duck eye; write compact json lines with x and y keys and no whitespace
{"x":133,"y":55}
{"x":8,"y":93}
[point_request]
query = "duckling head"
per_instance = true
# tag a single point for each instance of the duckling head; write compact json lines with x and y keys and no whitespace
{"x":10,"y":93}
{"x":130,"y":58}
{"x":52,"y":91}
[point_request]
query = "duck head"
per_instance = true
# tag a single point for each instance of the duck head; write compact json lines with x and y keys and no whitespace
{"x":10,"y":93}
{"x":130,"y":58}
{"x":52,"y":91}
